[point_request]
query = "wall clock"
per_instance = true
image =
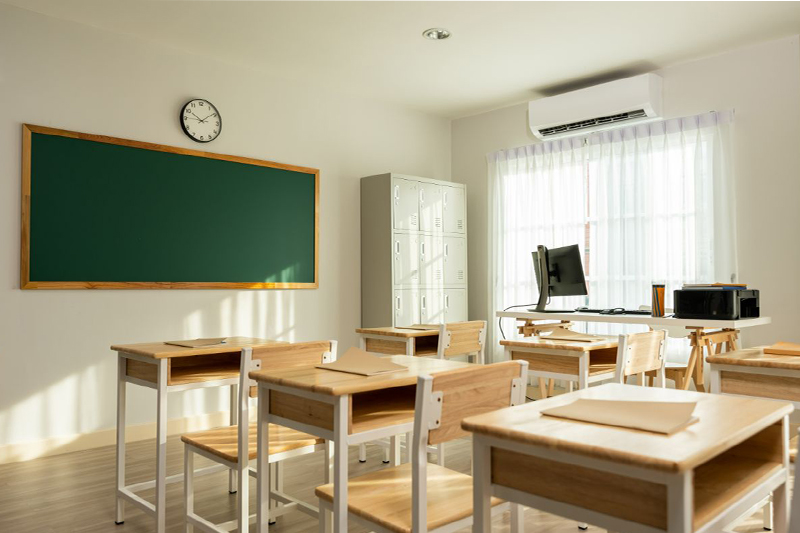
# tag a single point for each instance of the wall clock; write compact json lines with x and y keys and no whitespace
{"x":201,"y":121}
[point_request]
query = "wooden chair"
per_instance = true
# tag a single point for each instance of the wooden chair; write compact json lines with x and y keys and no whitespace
{"x":463,"y":338}
{"x":420,"y":497}
{"x":640,"y":353}
{"x":227,"y":445}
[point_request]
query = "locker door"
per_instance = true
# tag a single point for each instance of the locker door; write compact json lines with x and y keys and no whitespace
{"x":430,"y":207}
{"x":454,"y":209}
{"x":455,"y":305}
{"x":455,"y":260}
{"x":406,"y":307}
{"x":431,"y":306}
{"x":406,"y":259}
{"x":405,"y":200}
{"x":431,"y":260}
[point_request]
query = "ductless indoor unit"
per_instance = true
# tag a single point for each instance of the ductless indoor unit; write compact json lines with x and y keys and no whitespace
{"x":601,"y":107}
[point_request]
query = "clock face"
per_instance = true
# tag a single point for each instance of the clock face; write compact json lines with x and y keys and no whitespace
{"x":201,"y":121}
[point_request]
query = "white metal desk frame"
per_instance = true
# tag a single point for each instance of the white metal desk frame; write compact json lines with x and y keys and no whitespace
{"x":338,"y":440}
{"x":680,"y":493}
{"x":128,"y":492}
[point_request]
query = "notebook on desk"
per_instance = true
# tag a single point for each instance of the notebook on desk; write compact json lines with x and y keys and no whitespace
{"x":421,"y":327}
{"x":198,"y":343}
{"x":783,"y":348}
{"x":656,"y":417}
{"x":569,"y":335}
{"x":357,"y":361}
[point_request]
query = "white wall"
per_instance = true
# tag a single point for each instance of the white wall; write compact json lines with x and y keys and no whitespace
{"x":57,"y":374}
{"x":762,"y":83}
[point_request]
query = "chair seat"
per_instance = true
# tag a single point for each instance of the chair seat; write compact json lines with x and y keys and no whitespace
{"x":223,"y":442}
{"x":384,"y":497}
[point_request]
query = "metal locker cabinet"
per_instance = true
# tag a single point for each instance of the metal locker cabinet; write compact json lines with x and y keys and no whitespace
{"x":455,"y":260}
{"x":431,"y":260}
{"x":405,"y":201}
{"x":430,"y":207}
{"x":406,"y":307}
{"x":454,"y":209}
{"x":405,"y":254}
{"x":431,"y":305}
{"x":455,"y":305}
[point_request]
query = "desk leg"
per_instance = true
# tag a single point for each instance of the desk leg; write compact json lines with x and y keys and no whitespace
{"x":410,"y":346}
{"x":161,"y":448}
{"x":121,"y":389}
{"x":234,"y":418}
{"x":680,"y":503}
{"x":262,"y":462}
{"x":481,"y":486}
{"x":583,"y":371}
{"x":340,"y":416}
{"x":780,"y":496}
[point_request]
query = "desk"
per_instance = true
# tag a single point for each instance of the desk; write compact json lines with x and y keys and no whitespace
{"x":751,"y":372}
{"x":696,"y":480}
{"x":399,"y":341}
{"x":167,"y":368}
{"x":345,"y":409}
{"x":712,"y":335}
{"x":581,"y":362}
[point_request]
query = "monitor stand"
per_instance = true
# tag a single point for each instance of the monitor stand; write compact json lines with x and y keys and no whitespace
{"x":544,"y":287}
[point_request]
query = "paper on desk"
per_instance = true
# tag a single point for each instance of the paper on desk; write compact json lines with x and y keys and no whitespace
{"x":422,"y":327}
{"x":569,"y":335}
{"x":198,"y":343}
{"x":783,"y":348}
{"x":357,"y":361}
{"x":657,"y":417}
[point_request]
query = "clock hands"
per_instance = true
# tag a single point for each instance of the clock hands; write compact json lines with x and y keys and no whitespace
{"x":198,"y":118}
{"x":209,"y":116}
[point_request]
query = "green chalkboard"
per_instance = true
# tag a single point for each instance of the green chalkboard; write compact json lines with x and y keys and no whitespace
{"x":101,"y":212}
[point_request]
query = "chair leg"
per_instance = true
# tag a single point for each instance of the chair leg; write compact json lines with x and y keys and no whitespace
{"x":188,"y":487}
{"x":767,"y":510}
{"x":362,"y":453}
{"x":542,"y":388}
{"x":517,"y":518}
{"x":440,"y":454}
{"x":550,"y":385}
{"x":243,"y":496}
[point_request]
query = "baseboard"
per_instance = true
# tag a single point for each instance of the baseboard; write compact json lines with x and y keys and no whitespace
{"x":24,"y":451}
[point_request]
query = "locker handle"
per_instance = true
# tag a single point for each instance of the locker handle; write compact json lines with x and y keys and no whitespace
{"x":422,"y":195}
{"x":423,"y":301}
{"x":447,"y":301}
{"x":445,"y":198}
{"x":422,"y":248}
{"x":396,"y":192}
{"x":397,"y":247}
{"x":397,"y":302}
{"x":445,"y":249}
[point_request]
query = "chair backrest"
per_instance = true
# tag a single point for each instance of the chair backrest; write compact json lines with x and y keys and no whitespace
{"x":640,"y":352}
{"x":274,"y":357}
{"x":462,"y":338}
{"x":443,"y":400}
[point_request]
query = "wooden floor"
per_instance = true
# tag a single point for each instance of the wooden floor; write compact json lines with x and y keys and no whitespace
{"x":75,"y":492}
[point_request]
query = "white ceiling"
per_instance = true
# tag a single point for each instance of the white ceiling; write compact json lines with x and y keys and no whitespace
{"x":500,"y":53}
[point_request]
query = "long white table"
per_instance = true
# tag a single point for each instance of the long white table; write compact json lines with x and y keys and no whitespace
{"x":714,"y":335}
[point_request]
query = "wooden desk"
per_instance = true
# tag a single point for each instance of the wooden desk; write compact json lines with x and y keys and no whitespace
{"x":695,"y":480}
{"x":751,"y":372}
{"x":712,"y":335}
{"x":399,"y":341}
{"x":581,"y":362}
{"x":345,"y":409}
{"x":167,"y":368}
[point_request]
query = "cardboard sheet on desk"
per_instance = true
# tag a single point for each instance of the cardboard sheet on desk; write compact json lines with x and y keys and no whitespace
{"x":420,"y":327}
{"x":198,"y":343}
{"x":657,"y":417}
{"x":783,"y":348}
{"x":357,"y":361}
{"x":569,"y":335}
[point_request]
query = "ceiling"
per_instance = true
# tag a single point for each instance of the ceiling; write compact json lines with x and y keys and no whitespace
{"x":500,"y":52}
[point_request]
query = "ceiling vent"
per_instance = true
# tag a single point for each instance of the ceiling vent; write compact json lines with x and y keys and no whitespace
{"x":617,"y":103}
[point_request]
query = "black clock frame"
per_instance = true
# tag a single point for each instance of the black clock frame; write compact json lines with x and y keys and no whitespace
{"x":183,"y":126}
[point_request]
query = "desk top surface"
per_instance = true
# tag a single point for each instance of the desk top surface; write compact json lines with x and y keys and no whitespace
{"x":646,"y":320}
{"x":757,"y":358}
{"x":159,"y":350}
{"x":608,"y":341}
{"x":724,"y":421}
{"x":399,"y":332}
{"x":331,"y":382}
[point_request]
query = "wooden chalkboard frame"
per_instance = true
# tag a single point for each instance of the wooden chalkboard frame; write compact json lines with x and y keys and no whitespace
{"x":25,"y":281}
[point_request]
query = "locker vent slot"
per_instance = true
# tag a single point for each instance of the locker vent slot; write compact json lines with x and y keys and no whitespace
{"x":460,"y":224}
{"x":437,"y":221}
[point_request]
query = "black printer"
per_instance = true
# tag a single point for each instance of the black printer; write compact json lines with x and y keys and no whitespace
{"x":716,"y":303}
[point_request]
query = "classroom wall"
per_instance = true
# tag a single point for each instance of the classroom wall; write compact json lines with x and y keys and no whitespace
{"x":762,"y":83}
{"x":57,"y":374}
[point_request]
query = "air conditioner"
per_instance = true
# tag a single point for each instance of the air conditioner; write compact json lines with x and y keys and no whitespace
{"x":601,"y":107}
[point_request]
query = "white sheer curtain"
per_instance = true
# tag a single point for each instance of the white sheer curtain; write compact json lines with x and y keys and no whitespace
{"x":646,"y":203}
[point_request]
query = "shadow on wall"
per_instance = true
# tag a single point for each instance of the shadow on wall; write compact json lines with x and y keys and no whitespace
{"x":85,"y":401}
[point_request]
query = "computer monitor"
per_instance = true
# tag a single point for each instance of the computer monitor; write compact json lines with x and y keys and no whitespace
{"x":564,"y":274}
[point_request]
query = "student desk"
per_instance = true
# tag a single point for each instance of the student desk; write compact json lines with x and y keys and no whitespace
{"x":581,"y":362}
{"x":167,"y":368}
{"x":713,"y":335}
{"x":696,"y":480}
{"x":345,"y":409}
{"x":751,"y":372}
{"x":399,"y":341}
